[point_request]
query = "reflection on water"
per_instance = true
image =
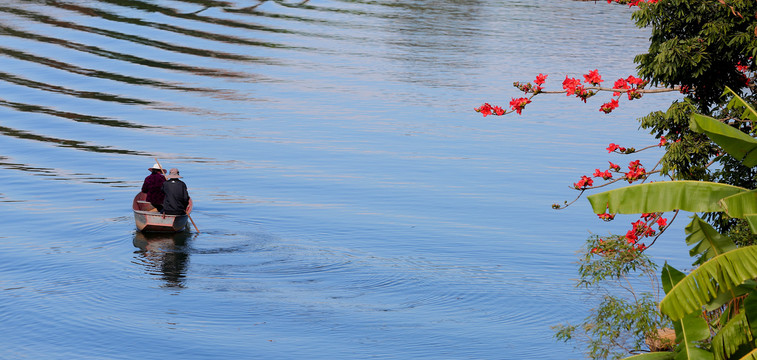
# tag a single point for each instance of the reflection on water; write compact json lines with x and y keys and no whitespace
{"x":164,"y":255}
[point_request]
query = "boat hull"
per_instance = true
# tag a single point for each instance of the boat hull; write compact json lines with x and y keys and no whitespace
{"x":148,"y":219}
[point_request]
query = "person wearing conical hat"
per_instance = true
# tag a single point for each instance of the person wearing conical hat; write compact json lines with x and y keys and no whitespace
{"x":153,"y":186}
{"x":176,"y":197}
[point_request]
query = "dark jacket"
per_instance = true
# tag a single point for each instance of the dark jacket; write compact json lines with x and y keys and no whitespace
{"x":176,"y":197}
{"x":153,"y":187}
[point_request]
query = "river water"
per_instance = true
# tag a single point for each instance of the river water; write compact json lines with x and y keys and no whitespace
{"x":349,"y":201}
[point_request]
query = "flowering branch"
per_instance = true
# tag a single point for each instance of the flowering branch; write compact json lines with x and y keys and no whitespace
{"x":632,"y":86}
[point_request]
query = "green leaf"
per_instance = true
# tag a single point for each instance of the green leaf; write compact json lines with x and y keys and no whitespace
{"x":670,"y":277}
{"x":660,"y":355}
{"x":751,"y":219}
{"x":724,"y":298}
{"x":735,"y":333}
{"x":750,"y":310}
{"x":689,"y":331}
{"x":693,"y":196}
{"x":739,"y":205}
{"x":738,"y":103}
{"x":707,"y":241}
{"x":735,"y":142}
{"x":720,"y":274}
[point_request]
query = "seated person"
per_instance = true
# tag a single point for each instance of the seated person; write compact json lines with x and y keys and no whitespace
{"x":153,"y":186}
{"x":176,"y":197}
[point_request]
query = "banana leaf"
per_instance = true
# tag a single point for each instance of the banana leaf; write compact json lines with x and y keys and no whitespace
{"x":750,"y":310}
{"x":693,"y":196}
{"x":690,"y":329}
{"x":707,"y":241}
{"x":718,"y":275}
{"x":751,"y":219}
{"x":737,"y":103}
{"x":694,"y":330}
{"x":741,"y":204}
{"x":735,"y":333}
{"x":735,"y":142}
{"x":726,"y":297}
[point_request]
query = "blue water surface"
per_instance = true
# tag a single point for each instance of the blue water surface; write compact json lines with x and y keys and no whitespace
{"x":349,"y":202}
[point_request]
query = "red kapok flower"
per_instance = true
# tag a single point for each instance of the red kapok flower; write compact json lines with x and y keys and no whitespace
{"x":540,"y":79}
{"x":634,"y":80}
{"x":606,"y":175}
{"x":485,"y":109}
{"x":614,"y":167}
{"x":620,"y":84}
{"x":648,"y":216}
{"x":614,"y":147}
{"x":608,"y":107}
{"x":606,"y":217}
{"x":518,"y":104}
{"x":635,"y":174}
{"x":593,"y":77}
{"x":583,"y":183}
{"x":631,"y":237}
{"x":662,"y":222}
{"x":663,"y":140}
{"x":570,"y":85}
{"x":498,"y":111}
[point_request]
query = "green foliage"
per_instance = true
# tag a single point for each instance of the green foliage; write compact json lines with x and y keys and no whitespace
{"x":625,"y":316}
{"x":688,"y":153}
{"x":698,"y":43}
{"x":736,"y":143}
{"x":701,"y":46}
{"x":611,"y":258}
{"x":741,"y":234}
{"x":718,"y":275}
{"x":691,"y":329}
{"x":733,"y":335}
{"x":707,"y":242}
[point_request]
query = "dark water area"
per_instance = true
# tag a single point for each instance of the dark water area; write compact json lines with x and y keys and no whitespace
{"x":350,"y":203}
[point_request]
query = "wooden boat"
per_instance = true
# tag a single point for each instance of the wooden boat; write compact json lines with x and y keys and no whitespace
{"x":148,"y":219}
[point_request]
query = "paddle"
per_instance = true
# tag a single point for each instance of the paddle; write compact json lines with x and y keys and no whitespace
{"x":190,"y":216}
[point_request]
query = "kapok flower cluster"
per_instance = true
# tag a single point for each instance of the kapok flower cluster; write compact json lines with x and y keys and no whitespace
{"x":582,"y":89}
{"x":640,"y":229}
{"x":635,"y":169}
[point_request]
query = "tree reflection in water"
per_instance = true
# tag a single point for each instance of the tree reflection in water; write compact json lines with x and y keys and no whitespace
{"x":164,"y":254}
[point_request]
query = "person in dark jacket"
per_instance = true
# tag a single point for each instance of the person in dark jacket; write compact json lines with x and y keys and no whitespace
{"x":176,"y":196}
{"x":153,"y":186}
